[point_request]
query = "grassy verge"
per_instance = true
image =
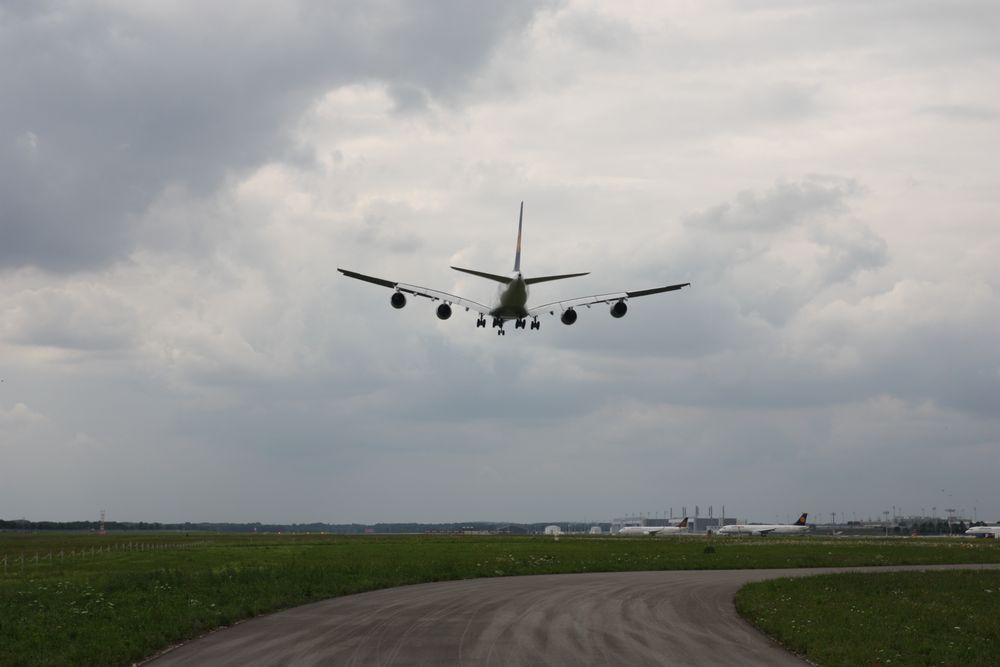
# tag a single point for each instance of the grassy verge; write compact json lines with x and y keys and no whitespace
{"x":884,"y":618}
{"x":117,"y":599}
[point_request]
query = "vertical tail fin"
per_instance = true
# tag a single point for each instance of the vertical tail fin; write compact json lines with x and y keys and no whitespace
{"x":517,"y":253}
{"x":683,"y":524}
{"x":802,"y":519}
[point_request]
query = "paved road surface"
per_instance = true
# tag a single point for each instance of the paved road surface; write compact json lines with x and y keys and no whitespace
{"x":622,"y":618}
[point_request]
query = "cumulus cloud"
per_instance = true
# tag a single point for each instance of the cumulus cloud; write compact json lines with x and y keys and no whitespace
{"x":111,"y":104}
{"x":182,"y":184}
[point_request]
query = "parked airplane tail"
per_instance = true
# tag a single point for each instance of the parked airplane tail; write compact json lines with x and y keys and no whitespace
{"x":802,"y":519}
{"x":683,"y":523}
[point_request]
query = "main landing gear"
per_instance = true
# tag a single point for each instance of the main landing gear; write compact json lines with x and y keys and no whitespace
{"x":520,"y":323}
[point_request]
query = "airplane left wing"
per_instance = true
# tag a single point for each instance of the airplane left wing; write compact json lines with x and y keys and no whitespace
{"x":417,"y":290}
{"x":608,"y":299}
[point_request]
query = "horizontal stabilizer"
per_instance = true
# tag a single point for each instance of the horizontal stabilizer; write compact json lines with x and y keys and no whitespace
{"x":489,"y":276}
{"x":545,"y":279}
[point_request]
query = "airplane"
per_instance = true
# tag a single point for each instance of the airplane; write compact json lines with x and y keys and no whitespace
{"x":655,"y":530}
{"x":984,"y":531}
{"x":512,"y":297}
{"x":766,"y":529}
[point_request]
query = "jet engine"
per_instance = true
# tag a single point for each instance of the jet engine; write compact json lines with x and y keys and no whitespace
{"x":397,"y":300}
{"x":618,"y":309}
{"x":568,"y":316}
{"x":443,"y":311}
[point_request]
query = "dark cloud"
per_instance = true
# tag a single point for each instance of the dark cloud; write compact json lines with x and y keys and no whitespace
{"x":105,"y":107}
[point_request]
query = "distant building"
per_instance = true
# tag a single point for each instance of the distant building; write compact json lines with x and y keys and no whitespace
{"x":553,"y":530}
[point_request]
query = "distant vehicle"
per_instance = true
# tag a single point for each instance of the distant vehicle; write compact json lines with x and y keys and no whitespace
{"x":767,"y":529}
{"x":984,"y":531}
{"x":512,"y":297}
{"x":655,"y":530}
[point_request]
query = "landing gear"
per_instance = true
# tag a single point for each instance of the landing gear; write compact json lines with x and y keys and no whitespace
{"x":501,"y":332}
{"x":519,"y":323}
{"x":535,"y":324}
{"x":481,"y":322}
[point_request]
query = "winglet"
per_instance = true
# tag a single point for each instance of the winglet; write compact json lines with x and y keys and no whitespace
{"x":517,"y":253}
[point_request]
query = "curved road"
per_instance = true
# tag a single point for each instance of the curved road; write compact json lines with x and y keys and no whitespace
{"x":621,"y":618}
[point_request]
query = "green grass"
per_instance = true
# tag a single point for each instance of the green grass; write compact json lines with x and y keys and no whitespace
{"x":883,"y":618}
{"x":110,"y":608}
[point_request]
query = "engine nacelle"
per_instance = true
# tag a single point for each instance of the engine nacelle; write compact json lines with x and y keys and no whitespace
{"x":443,"y":311}
{"x":397,"y":300}
{"x":568,"y":317}
{"x":618,"y":309}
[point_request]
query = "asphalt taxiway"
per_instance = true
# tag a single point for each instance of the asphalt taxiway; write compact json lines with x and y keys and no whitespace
{"x":620,"y":618}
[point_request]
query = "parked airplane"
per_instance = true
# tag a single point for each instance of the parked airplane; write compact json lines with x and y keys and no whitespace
{"x":984,"y":531}
{"x":655,"y":530}
{"x":512,"y":298}
{"x":766,"y":529}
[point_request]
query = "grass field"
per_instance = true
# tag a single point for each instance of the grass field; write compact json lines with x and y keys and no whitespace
{"x":883,"y":618}
{"x":70,"y":599}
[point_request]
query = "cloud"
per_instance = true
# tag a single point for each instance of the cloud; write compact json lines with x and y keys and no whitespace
{"x":181,"y":184}
{"x":111,"y":105}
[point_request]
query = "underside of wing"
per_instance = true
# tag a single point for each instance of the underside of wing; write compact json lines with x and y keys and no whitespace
{"x":608,"y":299}
{"x":417,"y":290}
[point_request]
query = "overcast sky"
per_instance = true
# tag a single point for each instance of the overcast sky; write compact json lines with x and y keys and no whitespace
{"x":179,"y":183}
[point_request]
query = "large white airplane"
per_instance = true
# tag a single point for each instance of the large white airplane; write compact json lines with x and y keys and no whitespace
{"x":984,"y":531}
{"x":654,"y":530}
{"x":766,"y":529}
{"x":512,"y":297}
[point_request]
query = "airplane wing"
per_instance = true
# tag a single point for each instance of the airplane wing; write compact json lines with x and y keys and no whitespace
{"x":764,"y":532}
{"x":608,"y":299}
{"x":426,"y":292}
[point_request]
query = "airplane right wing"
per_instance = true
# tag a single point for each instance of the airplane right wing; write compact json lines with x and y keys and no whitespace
{"x":608,"y":299}
{"x":416,"y":290}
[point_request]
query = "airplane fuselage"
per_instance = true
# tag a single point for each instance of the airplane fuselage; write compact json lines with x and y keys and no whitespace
{"x":762,"y":529}
{"x":512,"y":299}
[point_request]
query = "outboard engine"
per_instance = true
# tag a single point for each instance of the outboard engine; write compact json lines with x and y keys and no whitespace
{"x":397,"y":300}
{"x":568,"y":317}
{"x":618,"y":309}
{"x":443,"y":311}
